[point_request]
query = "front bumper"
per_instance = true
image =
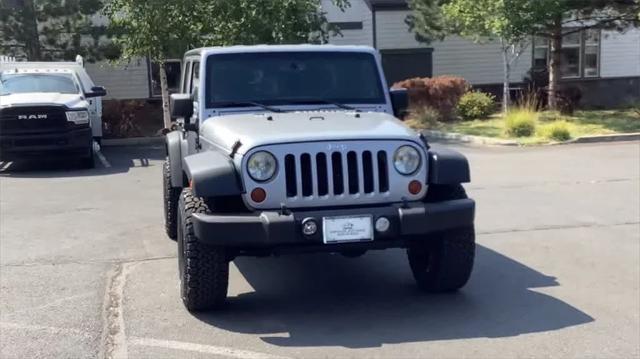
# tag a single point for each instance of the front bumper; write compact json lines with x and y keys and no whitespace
{"x":72,"y":143}
{"x":415,"y":221}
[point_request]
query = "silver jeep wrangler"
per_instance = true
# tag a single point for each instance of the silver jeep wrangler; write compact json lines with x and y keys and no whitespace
{"x":297,"y":149}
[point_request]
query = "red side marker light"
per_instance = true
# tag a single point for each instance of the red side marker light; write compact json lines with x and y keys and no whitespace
{"x":415,"y":187}
{"x":258,"y":195}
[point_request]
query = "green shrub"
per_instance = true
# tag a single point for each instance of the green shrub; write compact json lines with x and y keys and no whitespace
{"x":520,"y":123}
{"x":475,"y":105}
{"x":557,"y":130}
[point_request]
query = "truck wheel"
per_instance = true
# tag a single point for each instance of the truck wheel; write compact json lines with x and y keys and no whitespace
{"x":88,"y":162}
{"x":444,"y":264}
{"x":204,"y":270}
{"x":171,"y":196}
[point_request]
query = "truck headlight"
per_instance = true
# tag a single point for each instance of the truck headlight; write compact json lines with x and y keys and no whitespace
{"x":406,"y":160}
{"x":262,"y":166}
{"x":78,"y":117}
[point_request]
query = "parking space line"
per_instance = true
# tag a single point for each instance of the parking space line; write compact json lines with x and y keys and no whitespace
{"x":47,"y":329}
{"x":103,"y":159}
{"x":201,"y":348}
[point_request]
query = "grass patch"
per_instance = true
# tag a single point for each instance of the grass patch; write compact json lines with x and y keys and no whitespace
{"x":520,"y":123}
{"x":582,"y":123}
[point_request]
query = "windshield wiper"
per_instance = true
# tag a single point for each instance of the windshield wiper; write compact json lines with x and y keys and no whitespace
{"x":323,"y":101}
{"x":246,"y":103}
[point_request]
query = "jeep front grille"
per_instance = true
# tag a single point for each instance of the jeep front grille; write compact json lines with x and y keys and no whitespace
{"x":337,"y":173}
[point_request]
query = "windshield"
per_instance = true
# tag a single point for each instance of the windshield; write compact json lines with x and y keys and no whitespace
{"x":280,"y":78}
{"x":25,"y":83}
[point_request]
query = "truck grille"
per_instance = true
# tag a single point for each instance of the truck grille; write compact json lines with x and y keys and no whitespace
{"x":12,"y":120}
{"x":336,"y":173}
{"x":333,"y":174}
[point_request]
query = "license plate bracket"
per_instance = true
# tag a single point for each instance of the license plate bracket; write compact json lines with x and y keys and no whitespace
{"x":347,"y":229}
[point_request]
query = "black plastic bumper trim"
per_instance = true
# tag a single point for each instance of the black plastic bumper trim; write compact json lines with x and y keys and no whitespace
{"x":272,"y":229}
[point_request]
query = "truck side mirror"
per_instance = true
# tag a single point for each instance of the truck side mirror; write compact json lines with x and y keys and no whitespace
{"x":181,"y":106}
{"x":96,"y":91}
{"x":399,"y":101}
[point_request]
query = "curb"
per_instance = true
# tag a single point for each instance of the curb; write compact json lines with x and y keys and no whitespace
{"x":607,"y":138}
{"x":134,"y":141}
{"x":479,"y":140}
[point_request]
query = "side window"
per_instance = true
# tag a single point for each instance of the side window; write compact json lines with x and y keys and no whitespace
{"x":195,"y":77}
{"x":186,"y":76}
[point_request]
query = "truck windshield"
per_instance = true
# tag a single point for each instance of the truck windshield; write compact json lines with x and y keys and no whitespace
{"x":25,"y":83}
{"x":281,"y":78}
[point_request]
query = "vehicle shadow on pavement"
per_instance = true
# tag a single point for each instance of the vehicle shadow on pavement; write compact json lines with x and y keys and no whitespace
{"x":119,"y":160}
{"x":329,"y":300}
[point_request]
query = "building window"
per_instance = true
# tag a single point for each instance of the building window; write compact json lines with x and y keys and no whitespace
{"x":580,"y":54}
{"x":173,"y":68}
{"x":592,"y":53}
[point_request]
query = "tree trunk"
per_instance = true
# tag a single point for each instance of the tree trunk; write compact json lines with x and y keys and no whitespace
{"x":164,"y":88}
{"x":506,"y":84}
{"x":555,"y":63}
{"x":32,"y":43}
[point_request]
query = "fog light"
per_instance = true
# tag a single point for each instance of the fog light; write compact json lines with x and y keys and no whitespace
{"x":382,"y":224}
{"x":309,"y":227}
{"x":258,"y":195}
{"x":415,"y":187}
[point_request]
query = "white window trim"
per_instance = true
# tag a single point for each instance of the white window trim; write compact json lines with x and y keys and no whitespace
{"x":582,"y":55}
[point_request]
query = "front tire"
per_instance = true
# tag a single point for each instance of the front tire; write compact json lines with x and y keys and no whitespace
{"x":204,"y":270}
{"x":444,"y":263}
{"x":88,"y":162}
{"x":171,"y":196}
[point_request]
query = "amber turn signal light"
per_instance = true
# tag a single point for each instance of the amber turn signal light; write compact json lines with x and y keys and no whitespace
{"x":415,"y":187}
{"x":258,"y":195}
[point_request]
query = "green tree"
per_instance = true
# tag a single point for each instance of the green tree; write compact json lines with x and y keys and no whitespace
{"x":508,"y":20}
{"x":161,"y":29}
{"x":556,"y":19}
{"x":52,"y":29}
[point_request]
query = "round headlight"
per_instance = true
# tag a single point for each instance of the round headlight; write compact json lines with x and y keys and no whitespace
{"x":262,"y":166}
{"x":406,"y":160}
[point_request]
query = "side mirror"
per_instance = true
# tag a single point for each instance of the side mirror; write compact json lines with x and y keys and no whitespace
{"x":181,"y":106}
{"x":96,"y":91}
{"x":399,"y":102}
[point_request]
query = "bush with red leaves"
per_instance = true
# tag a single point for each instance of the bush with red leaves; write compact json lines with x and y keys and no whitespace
{"x":441,"y":93}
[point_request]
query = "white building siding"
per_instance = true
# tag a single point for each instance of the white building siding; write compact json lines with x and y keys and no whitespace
{"x":126,"y":81}
{"x":620,"y":54}
{"x":478,"y":63}
{"x":357,"y":12}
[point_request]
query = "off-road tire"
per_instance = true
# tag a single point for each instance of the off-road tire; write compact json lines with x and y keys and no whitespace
{"x":204,"y":270}
{"x":171,"y":197}
{"x":88,"y":162}
{"x":444,"y":263}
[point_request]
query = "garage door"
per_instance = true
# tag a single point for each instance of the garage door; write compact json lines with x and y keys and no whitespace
{"x":406,"y":63}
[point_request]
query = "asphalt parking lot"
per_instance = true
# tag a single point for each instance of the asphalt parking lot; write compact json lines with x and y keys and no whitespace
{"x":86,"y":270}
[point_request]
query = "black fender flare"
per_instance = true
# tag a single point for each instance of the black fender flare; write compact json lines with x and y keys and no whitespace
{"x":448,"y":167}
{"x":174,"y":154}
{"x":212,"y":174}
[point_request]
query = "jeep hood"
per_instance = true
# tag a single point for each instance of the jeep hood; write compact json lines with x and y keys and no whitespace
{"x":43,"y":99}
{"x":254,"y":130}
